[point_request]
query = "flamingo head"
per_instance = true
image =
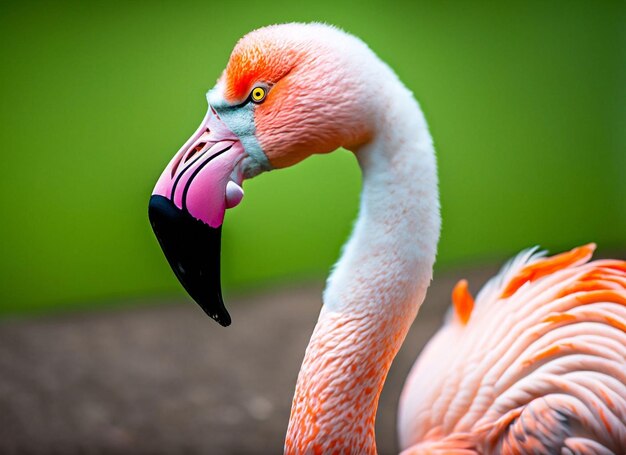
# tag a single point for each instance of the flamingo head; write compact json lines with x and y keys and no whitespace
{"x":288,"y":91}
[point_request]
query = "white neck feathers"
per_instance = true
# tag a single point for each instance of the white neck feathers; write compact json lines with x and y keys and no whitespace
{"x":394,"y":242}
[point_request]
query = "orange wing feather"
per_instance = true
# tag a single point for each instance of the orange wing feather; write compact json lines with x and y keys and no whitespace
{"x":463,"y":301}
{"x":549,"y":265}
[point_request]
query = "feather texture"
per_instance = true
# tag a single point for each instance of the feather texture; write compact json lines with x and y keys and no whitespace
{"x":539,"y":367}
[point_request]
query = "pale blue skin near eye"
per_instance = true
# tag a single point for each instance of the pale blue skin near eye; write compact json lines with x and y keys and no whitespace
{"x":240,"y":120}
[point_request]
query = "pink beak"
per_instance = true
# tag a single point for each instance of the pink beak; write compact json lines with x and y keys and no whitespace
{"x":187,"y":209}
{"x":203,"y":177}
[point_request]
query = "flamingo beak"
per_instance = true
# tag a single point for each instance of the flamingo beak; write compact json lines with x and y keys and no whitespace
{"x":187,"y":208}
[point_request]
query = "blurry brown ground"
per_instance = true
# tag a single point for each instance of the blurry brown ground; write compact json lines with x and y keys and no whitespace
{"x":165,"y":379}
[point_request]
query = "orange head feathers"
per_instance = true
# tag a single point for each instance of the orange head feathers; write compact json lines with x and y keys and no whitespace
{"x":317,"y":99}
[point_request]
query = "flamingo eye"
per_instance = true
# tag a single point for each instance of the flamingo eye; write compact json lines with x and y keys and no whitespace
{"x":258,"y":94}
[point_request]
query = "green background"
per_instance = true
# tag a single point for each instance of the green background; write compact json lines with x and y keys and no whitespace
{"x":526,"y":102}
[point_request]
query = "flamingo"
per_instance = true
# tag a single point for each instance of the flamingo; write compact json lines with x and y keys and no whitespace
{"x":534,"y":364}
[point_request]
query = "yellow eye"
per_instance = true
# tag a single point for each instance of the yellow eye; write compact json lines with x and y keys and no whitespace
{"x":258,"y":94}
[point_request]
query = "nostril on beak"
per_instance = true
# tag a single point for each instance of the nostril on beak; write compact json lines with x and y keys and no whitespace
{"x":203,"y":140}
{"x":195,"y":150}
{"x":192,"y":152}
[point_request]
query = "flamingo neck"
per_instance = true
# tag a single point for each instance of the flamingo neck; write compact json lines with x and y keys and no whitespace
{"x":375,"y":290}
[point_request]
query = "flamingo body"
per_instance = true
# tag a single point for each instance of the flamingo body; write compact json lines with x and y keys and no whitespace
{"x":537,"y":367}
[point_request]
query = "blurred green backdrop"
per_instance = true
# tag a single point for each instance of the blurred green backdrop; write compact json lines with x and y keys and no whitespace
{"x":526,"y":102}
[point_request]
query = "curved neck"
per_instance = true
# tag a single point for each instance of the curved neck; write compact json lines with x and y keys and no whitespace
{"x":375,"y":290}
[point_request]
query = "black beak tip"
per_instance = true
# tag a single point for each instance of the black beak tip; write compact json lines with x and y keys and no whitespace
{"x":214,"y":308}
{"x":192,"y":249}
{"x":222,"y":318}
